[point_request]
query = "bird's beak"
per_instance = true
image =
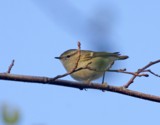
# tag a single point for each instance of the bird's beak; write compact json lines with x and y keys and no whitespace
{"x":57,"y":57}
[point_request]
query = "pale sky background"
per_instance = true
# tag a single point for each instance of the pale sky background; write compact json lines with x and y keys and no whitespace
{"x":33,"y":32}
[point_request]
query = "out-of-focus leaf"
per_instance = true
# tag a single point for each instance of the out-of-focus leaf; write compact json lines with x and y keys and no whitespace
{"x":8,"y":116}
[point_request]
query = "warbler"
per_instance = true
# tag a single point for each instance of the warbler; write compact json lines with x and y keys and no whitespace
{"x":93,"y":64}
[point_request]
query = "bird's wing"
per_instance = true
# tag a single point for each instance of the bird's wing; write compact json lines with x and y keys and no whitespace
{"x":90,"y":54}
{"x":105,"y":54}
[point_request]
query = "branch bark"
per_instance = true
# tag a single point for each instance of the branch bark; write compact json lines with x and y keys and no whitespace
{"x":78,"y":85}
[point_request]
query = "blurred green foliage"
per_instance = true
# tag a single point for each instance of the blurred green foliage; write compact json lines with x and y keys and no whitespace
{"x":10,"y":116}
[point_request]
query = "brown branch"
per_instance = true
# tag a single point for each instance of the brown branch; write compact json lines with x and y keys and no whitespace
{"x":10,"y":66}
{"x":143,"y":69}
{"x":51,"y":81}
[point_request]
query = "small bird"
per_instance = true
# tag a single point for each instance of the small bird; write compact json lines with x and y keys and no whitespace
{"x":97,"y":62}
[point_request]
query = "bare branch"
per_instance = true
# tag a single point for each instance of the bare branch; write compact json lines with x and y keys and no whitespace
{"x":51,"y":81}
{"x":143,"y":69}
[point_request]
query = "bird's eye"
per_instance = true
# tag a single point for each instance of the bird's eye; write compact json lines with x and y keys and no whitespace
{"x":68,"y":56}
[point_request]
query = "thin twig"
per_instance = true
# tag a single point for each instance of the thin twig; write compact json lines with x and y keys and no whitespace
{"x":10,"y":66}
{"x":152,"y":72}
{"x":126,"y":72}
{"x":79,"y":56}
{"x":143,"y":69}
{"x":68,"y":73}
{"x":76,"y":64}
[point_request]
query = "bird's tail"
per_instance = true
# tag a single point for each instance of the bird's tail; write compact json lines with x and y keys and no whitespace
{"x":121,"y":57}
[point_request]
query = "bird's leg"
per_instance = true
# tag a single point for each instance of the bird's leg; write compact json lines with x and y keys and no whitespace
{"x":105,"y":72}
{"x":103,"y":78}
{"x":103,"y":83}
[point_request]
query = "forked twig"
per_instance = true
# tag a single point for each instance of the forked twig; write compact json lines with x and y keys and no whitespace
{"x":143,"y":69}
